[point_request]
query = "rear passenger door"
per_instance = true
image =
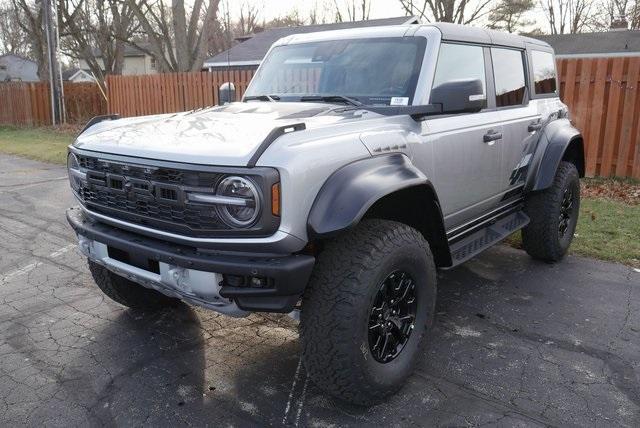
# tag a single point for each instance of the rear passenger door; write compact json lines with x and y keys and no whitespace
{"x":520,"y":118}
{"x":459,"y":148}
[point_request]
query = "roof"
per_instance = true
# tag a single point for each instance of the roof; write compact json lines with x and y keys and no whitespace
{"x":251,"y":51}
{"x":20,"y":57}
{"x":71,"y":73}
{"x":610,"y":43}
{"x":129,"y":50}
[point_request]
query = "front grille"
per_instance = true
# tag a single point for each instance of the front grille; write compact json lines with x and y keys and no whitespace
{"x":152,"y":196}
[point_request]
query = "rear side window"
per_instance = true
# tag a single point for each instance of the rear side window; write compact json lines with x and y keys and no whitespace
{"x":544,"y":72}
{"x":508,"y":73}
{"x":460,"y":62}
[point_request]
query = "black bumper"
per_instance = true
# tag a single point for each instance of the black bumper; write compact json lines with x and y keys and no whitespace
{"x":286,"y":276}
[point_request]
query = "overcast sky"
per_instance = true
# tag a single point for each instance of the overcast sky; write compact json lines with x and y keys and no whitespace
{"x":269,"y":9}
{"x":273,"y":8}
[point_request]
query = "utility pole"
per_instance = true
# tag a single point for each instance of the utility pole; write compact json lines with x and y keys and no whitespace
{"x":50,"y":24}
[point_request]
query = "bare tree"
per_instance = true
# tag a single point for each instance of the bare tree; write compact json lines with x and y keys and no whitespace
{"x":567,"y":16}
{"x":13,"y":38}
{"x":456,"y":11}
{"x":351,"y":10}
{"x":29,"y":19}
{"x":97,"y":31}
{"x":293,"y":19}
{"x":509,"y":15}
{"x":248,"y":20}
{"x":611,"y":11}
{"x":178,"y":38}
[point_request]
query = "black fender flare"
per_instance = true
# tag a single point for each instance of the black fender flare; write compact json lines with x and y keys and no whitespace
{"x":555,"y":139}
{"x":350,"y":191}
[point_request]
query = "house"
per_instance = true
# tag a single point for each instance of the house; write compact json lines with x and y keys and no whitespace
{"x":252,"y":48}
{"x":136,"y":61}
{"x":591,"y":45}
{"x":76,"y":75}
{"x":16,"y":68}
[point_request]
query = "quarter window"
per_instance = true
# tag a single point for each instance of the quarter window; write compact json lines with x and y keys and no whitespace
{"x":460,"y":62}
{"x":508,"y":73}
{"x":544,"y":72}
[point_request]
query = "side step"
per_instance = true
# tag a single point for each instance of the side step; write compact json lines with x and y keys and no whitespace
{"x":467,"y":247}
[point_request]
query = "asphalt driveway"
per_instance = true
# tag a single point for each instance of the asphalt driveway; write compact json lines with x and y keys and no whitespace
{"x":516,"y":342}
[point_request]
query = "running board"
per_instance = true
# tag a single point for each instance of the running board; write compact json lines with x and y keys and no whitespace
{"x":464,"y":249}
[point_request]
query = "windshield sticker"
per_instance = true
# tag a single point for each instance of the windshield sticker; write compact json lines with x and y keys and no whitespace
{"x":399,"y":101}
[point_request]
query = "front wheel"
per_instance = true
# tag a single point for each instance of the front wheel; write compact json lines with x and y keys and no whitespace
{"x":370,"y":302}
{"x":554,"y":216}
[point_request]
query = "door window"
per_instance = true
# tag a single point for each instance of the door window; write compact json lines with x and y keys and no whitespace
{"x":508,"y":73}
{"x":544,"y":72}
{"x":460,"y":63}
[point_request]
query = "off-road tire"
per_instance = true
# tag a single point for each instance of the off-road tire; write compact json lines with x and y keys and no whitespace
{"x":337,"y":303}
{"x":541,"y":238}
{"x":126,"y":292}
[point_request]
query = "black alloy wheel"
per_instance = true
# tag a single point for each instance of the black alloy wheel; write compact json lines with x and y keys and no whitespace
{"x":392,"y":316}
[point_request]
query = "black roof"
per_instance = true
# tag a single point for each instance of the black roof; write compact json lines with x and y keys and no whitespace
{"x":255,"y":48}
{"x":610,"y":42}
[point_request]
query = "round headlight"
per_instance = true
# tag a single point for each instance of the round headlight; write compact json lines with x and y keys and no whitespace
{"x":243,"y":206}
{"x":72,"y":167}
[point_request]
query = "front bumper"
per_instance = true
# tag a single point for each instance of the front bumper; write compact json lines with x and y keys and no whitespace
{"x":198,"y":276}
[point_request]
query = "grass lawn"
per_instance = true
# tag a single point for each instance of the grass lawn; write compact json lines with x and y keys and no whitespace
{"x":43,"y":144}
{"x":608,"y":229}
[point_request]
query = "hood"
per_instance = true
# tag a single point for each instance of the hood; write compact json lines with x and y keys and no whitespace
{"x":227,"y":135}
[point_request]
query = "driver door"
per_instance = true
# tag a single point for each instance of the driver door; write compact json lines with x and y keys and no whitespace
{"x":462,"y":152}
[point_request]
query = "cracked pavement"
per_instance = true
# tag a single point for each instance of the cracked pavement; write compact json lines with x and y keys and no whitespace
{"x":516,"y":342}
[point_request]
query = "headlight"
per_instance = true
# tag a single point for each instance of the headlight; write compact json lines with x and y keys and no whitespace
{"x":76,"y":176}
{"x":243,"y":206}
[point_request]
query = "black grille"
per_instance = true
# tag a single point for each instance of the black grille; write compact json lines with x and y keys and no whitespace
{"x":151,"y":196}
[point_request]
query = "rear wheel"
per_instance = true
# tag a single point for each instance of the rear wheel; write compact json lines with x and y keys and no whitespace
{"x":126,"y":292}
{"x":367,"y":309}
{"x":554,"y":216}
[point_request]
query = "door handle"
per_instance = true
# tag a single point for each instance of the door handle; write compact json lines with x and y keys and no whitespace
{"x":492,"y":136}
{"x":534,"y":126}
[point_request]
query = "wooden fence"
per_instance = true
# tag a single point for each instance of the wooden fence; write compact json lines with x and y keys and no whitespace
{"x":30,"y":103}
{"x":172,"y":92}
{"x":603,"y":95}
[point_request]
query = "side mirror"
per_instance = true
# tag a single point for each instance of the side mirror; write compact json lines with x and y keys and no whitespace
{"x":458,"y":96}
{"x":226,"y":93}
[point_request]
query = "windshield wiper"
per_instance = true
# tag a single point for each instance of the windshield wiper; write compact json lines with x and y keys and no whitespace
{"x":272,"y":98}
{"x":331,"y":98}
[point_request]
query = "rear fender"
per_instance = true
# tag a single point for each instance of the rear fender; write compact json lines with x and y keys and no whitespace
{"x":559,"y":140}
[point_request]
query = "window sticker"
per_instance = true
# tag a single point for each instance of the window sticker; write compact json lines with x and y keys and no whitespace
{"x":399,"y":101}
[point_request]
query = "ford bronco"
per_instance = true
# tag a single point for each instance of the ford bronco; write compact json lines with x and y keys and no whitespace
{"x":358,"y":162}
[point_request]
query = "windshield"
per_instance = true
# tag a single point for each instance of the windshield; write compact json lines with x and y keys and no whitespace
{"x":370,"y":71}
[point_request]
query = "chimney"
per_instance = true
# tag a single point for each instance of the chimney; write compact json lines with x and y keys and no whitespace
{"x":619,"y":24}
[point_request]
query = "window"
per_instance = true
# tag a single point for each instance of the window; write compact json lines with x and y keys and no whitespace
{"x":544,"y":72}
{"x":508,"y":73}
{"x":460,"y":62}
{"x":154,"y":64}
{"x":373,"y":71}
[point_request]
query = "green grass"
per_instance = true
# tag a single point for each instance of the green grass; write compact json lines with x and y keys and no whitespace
{"x":43,"y":144}
{"x":607,"y":230}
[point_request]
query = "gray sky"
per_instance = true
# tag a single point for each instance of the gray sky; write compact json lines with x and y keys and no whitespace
{"x":273,"y":8}
{"x":269,"y":9}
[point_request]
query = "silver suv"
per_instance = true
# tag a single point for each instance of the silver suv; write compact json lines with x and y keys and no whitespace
{"x":358,"y":162}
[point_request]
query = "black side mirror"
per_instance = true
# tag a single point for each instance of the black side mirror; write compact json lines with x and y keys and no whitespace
{"x":227,"y":93}
{"x":458,"y":96}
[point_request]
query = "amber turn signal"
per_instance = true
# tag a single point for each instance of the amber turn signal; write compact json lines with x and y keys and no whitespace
{"x":275,"y":199}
